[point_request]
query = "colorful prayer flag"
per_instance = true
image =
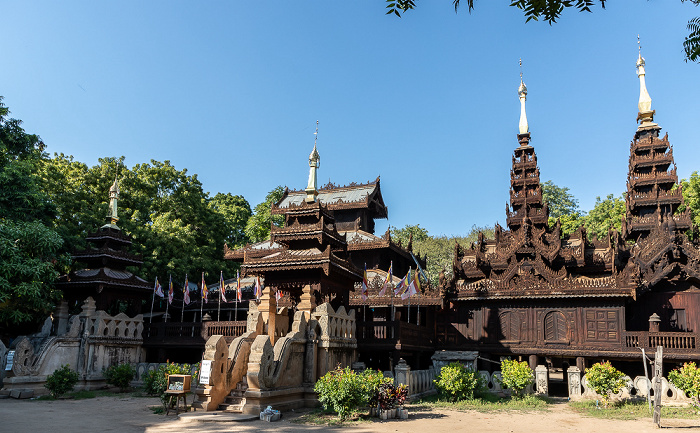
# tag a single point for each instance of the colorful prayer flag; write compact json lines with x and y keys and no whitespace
{"x":158,"y":289}
{"x":279,"y":295}
{"x":365,"y":289}
{"x":412,"y":289}
{"x":205,"y":291}
{"x":387,"y":281}
{"x":239,"y":294}
{"x":186,"y":291}
{"x":401,"y":287}
{"x":170,"y":291}
{"x":222,"y":289}
{"x":258,"y":289}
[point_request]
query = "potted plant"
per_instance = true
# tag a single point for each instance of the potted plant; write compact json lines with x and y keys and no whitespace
{"x":401,"y":397}
{"x":387,"y":399}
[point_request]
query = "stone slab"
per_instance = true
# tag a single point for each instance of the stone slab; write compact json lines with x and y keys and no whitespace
{"x":22,"y":393}
{"x":217,"y":416}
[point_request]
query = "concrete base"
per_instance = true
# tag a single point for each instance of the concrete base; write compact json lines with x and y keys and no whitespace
{"x":280,"y":399}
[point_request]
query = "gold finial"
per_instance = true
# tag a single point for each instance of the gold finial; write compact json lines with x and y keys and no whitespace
{"x":646,"y":115}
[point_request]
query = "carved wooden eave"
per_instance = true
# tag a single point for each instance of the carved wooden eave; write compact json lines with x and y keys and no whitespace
{"x":293,"y":260}
{"x":259,"y":249}
{"x":376,"y":278}
{"x":532,"y":287}
{"x":664,"y":254}
{"x":359,"y":240}
{"x":322,"y":232}
{"x":108,"y":254}
{"x":351,"y":196}
{"x":102,"y":277}
{"x":109,"y":234}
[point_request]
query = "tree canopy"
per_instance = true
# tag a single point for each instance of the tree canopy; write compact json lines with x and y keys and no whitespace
{"x":175,"y":225}
{"x":439,"y":249}
{"x":551,"y":10}
{"x":28,"y":247}
{"x":606,"y":213}
{"x":259,"y":224}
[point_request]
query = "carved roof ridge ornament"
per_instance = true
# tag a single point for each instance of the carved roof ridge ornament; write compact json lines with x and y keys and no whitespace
{"x":314,"y":165}
{"x":646,"y":114}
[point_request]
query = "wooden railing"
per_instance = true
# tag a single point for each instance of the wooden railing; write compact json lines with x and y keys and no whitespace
{"x":669,"y":340}
{"x":394,"y":332}
{"x":190,"y":333}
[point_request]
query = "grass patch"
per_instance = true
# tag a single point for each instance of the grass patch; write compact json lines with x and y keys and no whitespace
{"x":158,"y":410}
{"x":321,"y":417}
{"x":486,"y":402}
{"x":630,"y":410}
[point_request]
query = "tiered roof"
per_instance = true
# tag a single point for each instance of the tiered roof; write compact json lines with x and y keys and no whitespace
{"x":104,"y":276}
{"x":530,"y":259}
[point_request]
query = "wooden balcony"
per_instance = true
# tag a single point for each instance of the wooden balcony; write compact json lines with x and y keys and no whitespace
{"x":394,"y":335}
{"x":679,"y":342}
{"x":190,"y":334}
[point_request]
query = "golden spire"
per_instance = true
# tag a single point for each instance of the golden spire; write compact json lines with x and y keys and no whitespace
{"x":646,"y":114}
{"x":113,"y":199}
{"x":522,"y":94}
{"x":314,"y":164}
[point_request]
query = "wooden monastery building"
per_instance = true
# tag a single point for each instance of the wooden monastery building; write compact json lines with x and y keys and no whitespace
{"x":568,"y":300}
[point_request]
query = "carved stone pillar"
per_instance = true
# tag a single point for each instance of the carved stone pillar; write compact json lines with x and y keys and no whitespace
{"x":574,"y":381}
{"x":62,"y":317}
{"x":268,"y":308}
{"x":402,"y":374}
{"x":307,"y":299}
{"x":542,"y":380}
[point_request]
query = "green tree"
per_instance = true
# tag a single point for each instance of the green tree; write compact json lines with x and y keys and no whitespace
{"x":236,"y":212}
{"x":28,"y":248}
{"x":516,"y":375}
{"x":563,"y":205}
{"x":551,"y":10}
{"x":438,"y":249}
{"x":691,"y":197}
{"x":605,"y":214}
{"x":559,"y":200}
{"x":176,"y":226}
{"x":403,"y":235}
{"x":258,"y":227}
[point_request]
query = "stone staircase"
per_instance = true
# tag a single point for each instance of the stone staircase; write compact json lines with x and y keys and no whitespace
{"x":235,"y":401}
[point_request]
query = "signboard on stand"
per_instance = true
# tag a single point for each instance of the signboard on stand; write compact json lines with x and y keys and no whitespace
{"x":205,"y":372}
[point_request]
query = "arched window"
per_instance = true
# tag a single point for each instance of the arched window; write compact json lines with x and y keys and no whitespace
{"x":510,"y":326}
{"x":555,"y":326}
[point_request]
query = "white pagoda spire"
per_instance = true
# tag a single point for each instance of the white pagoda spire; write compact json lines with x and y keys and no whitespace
{"x":314,"y":164}
{"x":646,"y":114}
{"x":522,"y":94}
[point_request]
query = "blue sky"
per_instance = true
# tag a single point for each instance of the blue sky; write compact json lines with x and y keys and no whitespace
{"x":231,"y":90}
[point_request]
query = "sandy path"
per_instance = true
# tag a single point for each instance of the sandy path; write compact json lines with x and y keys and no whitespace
{"x":132,"y":415}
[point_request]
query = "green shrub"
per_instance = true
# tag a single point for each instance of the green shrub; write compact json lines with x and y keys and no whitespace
{"x":342,"y":390}
{"x":61,"y":381}
{"x":687,"y":379}
{"x":119,"y":375}
{"x":156,"y":381}
{"x":515,"y":375}
{"x":605,"y":380}
{"x":457,"y":382}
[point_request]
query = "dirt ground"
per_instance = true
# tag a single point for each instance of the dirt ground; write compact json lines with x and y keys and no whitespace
{"x":131,"y":415}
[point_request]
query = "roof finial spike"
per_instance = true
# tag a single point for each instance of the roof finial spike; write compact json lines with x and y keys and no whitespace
{"x":522,"y":94}
{"x":314,"y":164}
{"x":646,"y":115}
{"x":112,"y":217}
